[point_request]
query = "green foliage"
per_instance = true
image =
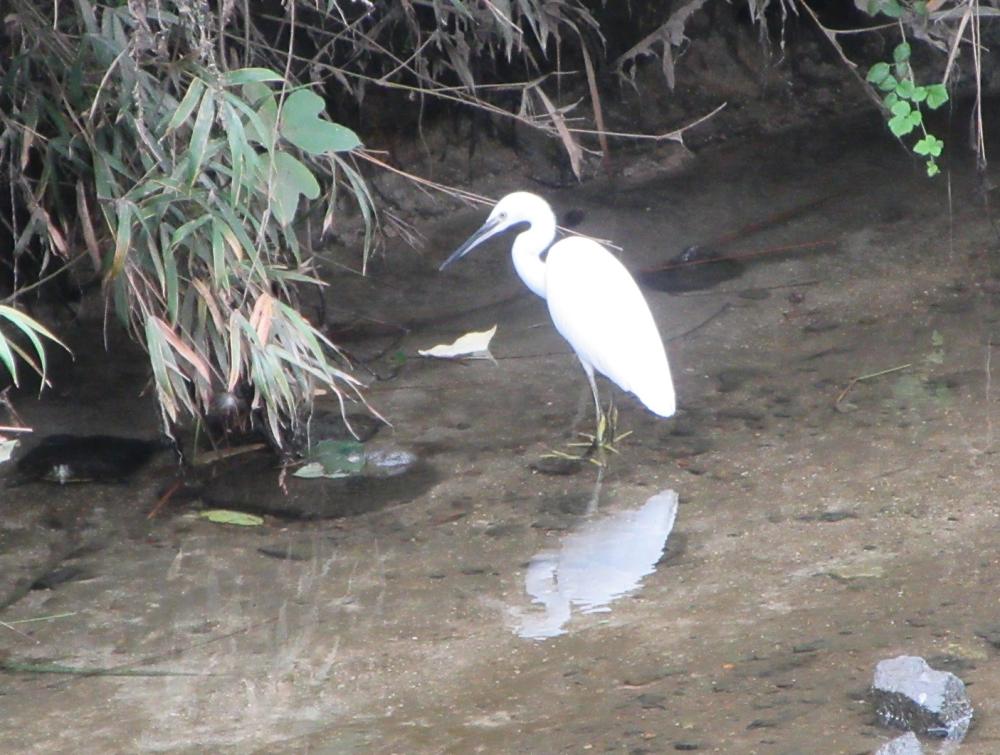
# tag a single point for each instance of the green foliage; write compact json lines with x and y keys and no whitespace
{"x":891,"y":8}
{"x":903,"y":98}
{"x":173,"y":145}
{"x":189,"y":180}
{"x":33,"y":331}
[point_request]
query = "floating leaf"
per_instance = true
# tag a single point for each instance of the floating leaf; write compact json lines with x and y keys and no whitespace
{"x":302,"y":125}
{"x":333,"y":459}
{"x":475,"y":345}
{"x":225,"y":516}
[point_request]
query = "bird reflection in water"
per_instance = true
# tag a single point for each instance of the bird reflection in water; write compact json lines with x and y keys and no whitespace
{"x":596,"y":564}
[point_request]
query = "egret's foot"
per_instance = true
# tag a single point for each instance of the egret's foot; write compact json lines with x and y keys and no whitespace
{"x":595,"y":447}
{"x":587,"y":454}
{"x":606,"y":434}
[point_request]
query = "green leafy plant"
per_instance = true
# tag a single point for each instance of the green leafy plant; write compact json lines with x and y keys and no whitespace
{"x":172,"y":146}
{"x":904,"y":99}
{"x":126,"y":141}
{"x":211,"y":251}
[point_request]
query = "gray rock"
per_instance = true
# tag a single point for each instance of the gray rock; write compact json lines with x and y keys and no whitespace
{"x":910,"y":695}
{"x":908,"y":744}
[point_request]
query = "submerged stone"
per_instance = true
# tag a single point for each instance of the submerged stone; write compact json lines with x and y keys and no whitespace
{"x":694,"y":269}
{"x":390,"y":476}
{"x":909,"y":694}
{"x":84,"y":458}
{"x":908,"y":744}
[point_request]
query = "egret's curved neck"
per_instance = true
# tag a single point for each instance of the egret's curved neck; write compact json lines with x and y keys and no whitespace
{"x":527,"y":252}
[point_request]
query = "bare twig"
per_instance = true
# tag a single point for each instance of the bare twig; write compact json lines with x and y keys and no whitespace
{"x":871,"y":375}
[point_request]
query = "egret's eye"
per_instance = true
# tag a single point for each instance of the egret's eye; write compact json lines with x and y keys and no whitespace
{"x":502,"y":216}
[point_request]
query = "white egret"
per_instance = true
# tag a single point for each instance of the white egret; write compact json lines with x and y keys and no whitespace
{"x":594,"y":302}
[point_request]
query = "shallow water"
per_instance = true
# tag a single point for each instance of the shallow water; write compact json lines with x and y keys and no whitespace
{"x":834,"y":457}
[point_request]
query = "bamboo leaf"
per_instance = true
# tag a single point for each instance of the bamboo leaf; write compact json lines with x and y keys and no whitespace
{"x":168,"y":336}
{"x":7,"y":357}
{"x":123,"y":237}
{"x":197,"y":148}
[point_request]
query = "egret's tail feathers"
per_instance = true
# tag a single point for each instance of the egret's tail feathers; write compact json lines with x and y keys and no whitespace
{"x":659,"y":399}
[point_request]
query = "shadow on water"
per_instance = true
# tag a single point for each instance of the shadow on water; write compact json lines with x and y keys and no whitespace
{"x":596,"y":564}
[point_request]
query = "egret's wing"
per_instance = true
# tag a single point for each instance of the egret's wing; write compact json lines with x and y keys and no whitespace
{"x":597,"y":306}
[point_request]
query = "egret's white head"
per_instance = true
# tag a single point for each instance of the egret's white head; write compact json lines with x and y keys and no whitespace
{"x":522,"y":208}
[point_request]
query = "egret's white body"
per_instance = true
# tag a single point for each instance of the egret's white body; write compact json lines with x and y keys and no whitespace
{"x":594,"y":302}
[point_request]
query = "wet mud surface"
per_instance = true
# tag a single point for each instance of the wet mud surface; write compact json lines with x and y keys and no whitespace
{"x":834,"y":460}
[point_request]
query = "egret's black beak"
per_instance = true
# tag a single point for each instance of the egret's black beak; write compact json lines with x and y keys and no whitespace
{"x":490,"y":228}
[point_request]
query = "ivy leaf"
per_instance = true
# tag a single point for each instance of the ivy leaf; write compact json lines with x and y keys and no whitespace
{"x":891,"y":8}
{"x":902,"y":53}
{"x":900,"y":125}
{"x":291,"y":178}
{"x":877,"y":73}
{"x":891,"y":99}
{"x":303,"y":125}
{"x":937,"y":95}
{"x":905,"y":89}
{"x":929,"y":145}
{"x":901,"y":108}
{"x":904,"y":119}
{"x":932,"y":169}
{"x":888,"y":84}
{"x":919,"y":94}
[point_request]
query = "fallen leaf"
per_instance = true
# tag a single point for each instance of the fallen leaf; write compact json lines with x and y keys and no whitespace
{"x":225,"y":516}
{"x":475,"y":345}
{"x":7,"y":448}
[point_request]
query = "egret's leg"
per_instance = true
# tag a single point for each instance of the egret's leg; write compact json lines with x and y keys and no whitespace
{"x":610,"y":422}
{"x":599,"y":416}
{"x":597,"y":442}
